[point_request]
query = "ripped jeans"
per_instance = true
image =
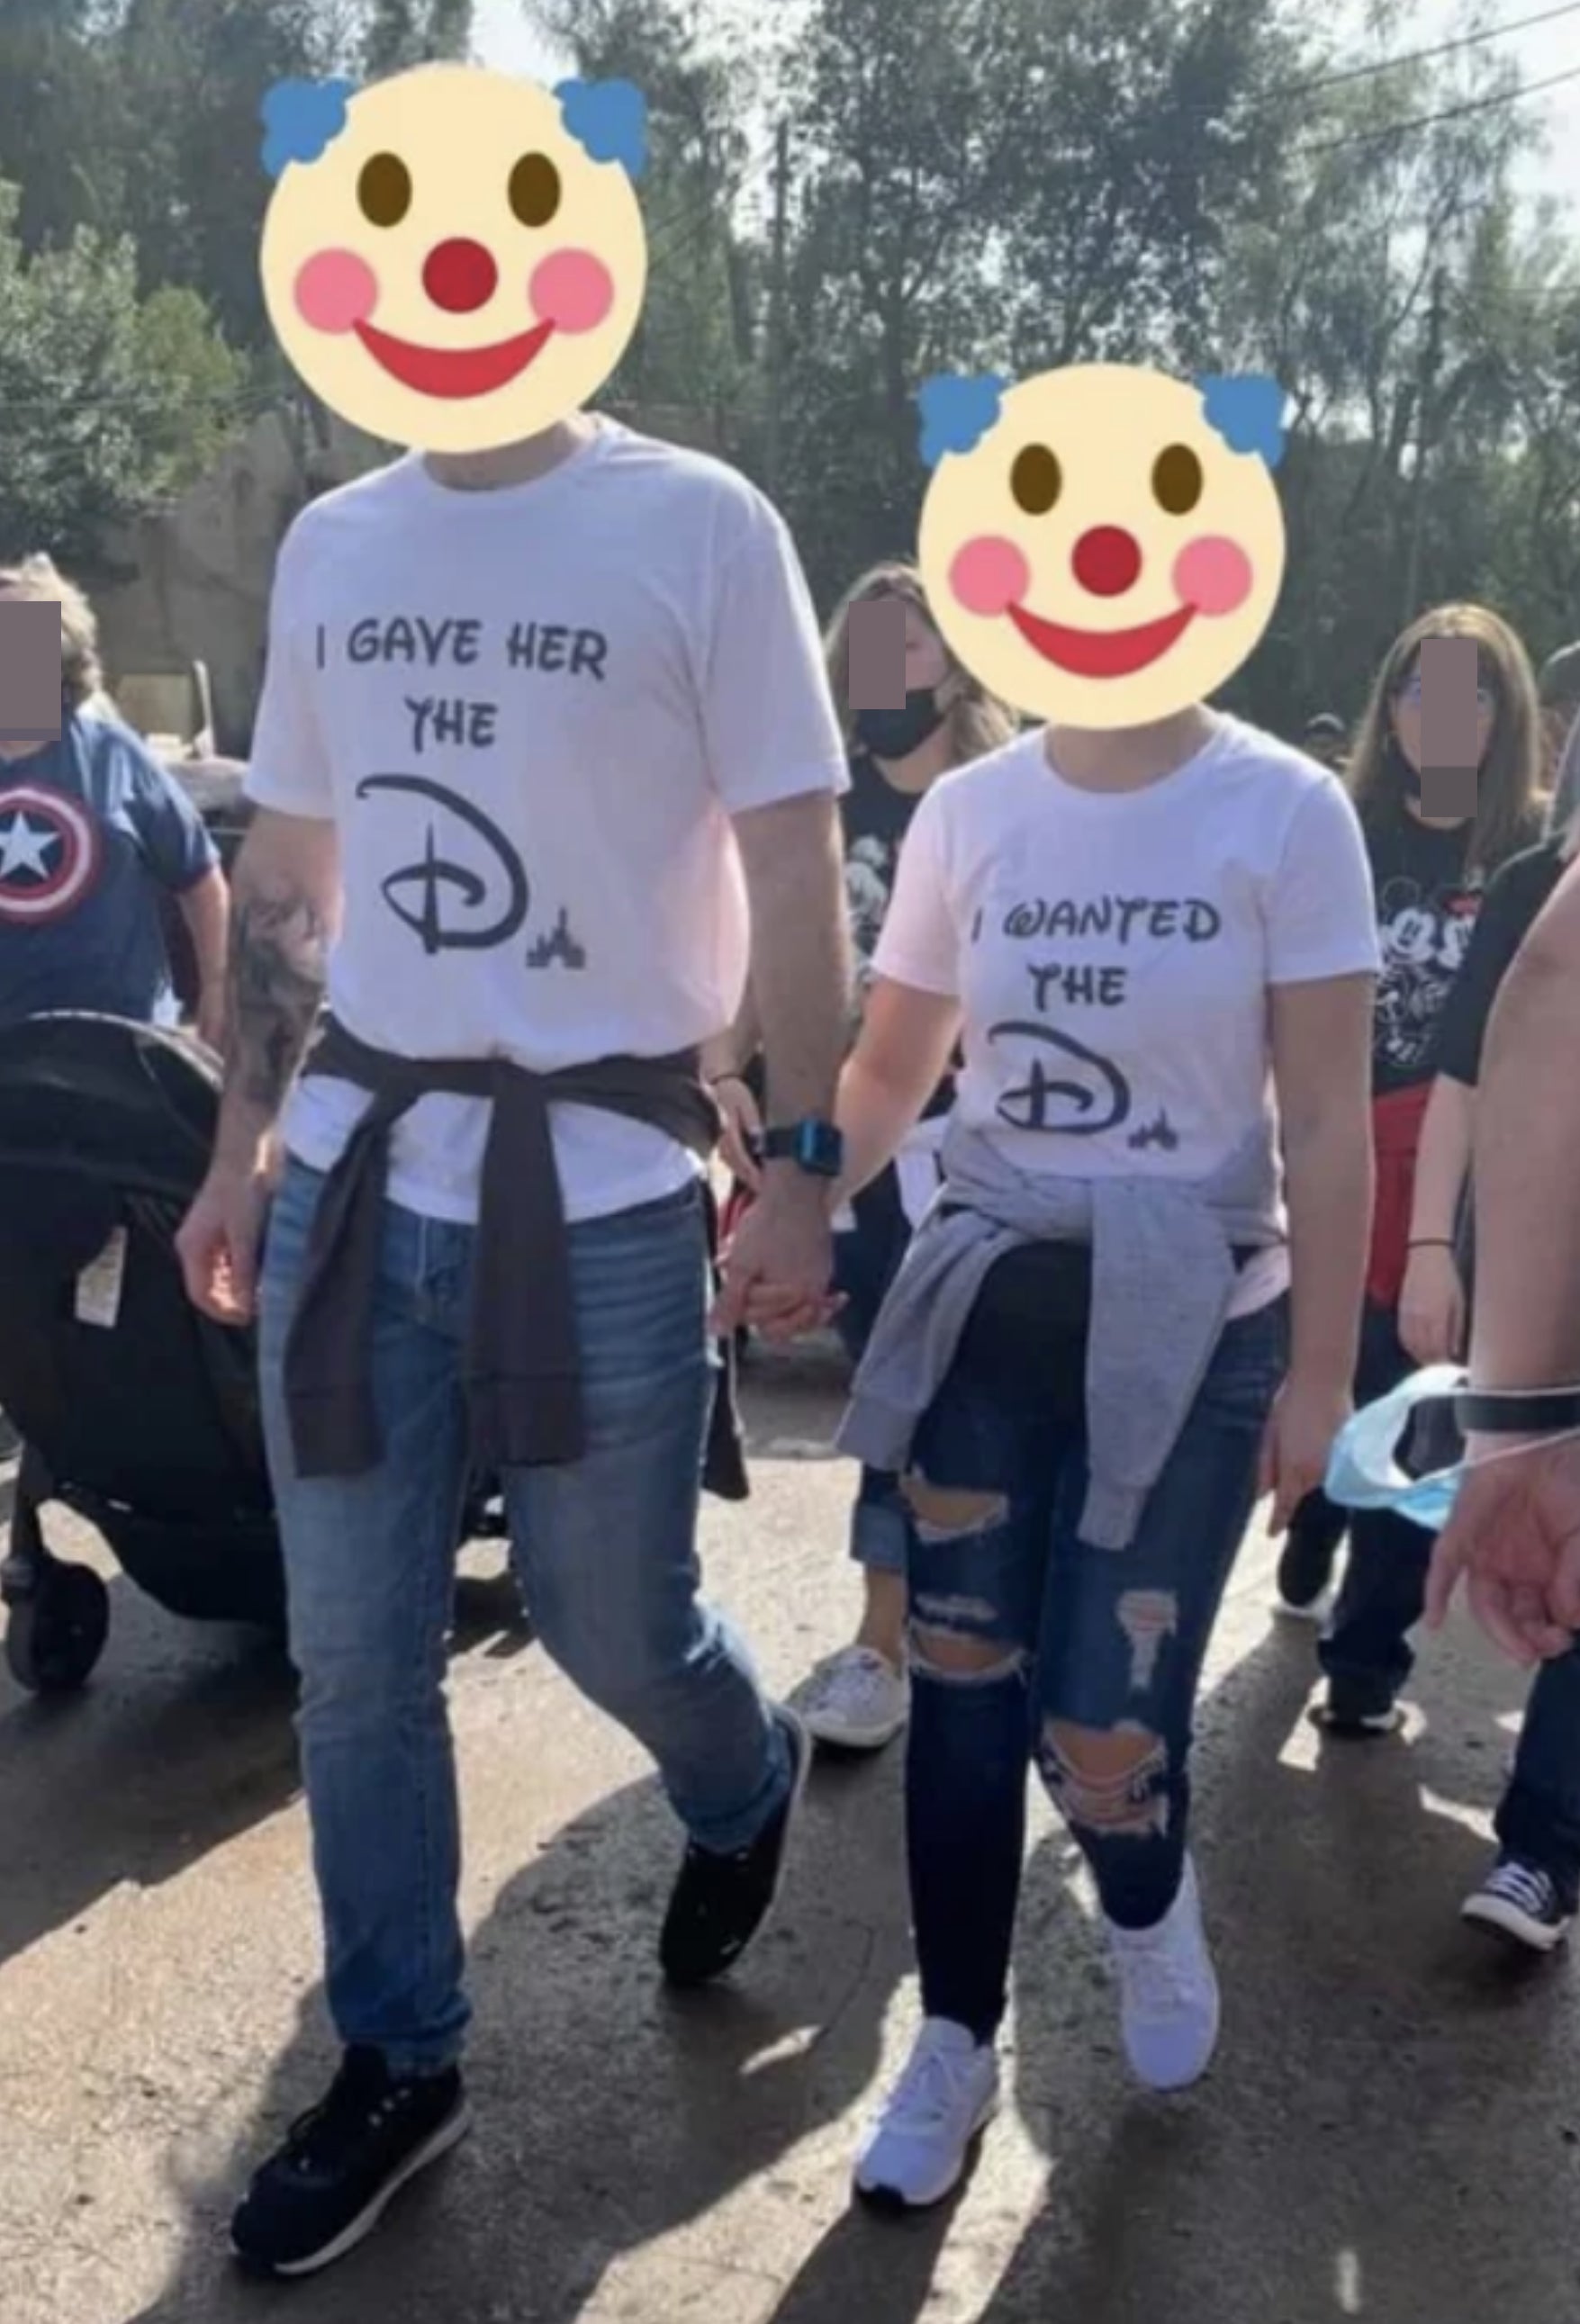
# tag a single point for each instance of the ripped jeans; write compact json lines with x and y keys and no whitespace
{"x":1027,"y":1643}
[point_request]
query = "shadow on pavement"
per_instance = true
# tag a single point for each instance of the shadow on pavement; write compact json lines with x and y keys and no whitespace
{"x":1386,"y":2134}
{"x":181,"y":1740}
{"x":608,"y":2113}
{"x":1387,"y":2130}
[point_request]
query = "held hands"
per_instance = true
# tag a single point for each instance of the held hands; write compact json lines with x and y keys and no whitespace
{"x":778,"y":1264}
{"x":1306,"y":1417}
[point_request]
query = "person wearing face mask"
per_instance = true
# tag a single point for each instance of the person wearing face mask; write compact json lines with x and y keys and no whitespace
{"x":1430,"y":873}
{"x":858,"y":1699}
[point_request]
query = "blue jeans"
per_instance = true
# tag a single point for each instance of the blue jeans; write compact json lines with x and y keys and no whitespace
{"x":1538,"y":1816}
{"x":1089,"y":1645}
{"x":605,"y":1551}
{"x":866,"y":1259}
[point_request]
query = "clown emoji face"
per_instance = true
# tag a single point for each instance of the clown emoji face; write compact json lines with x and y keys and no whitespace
{"x":453,"y":259}
{"x":1102,"y":547}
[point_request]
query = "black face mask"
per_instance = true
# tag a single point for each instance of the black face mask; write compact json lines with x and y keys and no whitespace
{"x":894,"y":734}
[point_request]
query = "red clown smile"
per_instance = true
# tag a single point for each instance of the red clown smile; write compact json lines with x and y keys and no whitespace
{"x":1101,"y":653}
{"x":453,"y":373}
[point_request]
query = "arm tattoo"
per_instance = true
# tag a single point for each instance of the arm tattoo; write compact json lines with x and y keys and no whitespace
{"x":277,"y":954}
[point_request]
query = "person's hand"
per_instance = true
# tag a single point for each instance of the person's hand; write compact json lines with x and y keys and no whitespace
{"x":776,"y":1266}
{"x":219,"y":1240}
{"x":743,"y":1121}
{"x":1306,"y":1417}
{"x":211,"y":1018}
{"x":1431,"y":1307}
{"x":1514,"y":1539}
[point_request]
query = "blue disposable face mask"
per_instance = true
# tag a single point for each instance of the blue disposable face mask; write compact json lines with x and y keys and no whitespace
{"x":1363,"y":1470}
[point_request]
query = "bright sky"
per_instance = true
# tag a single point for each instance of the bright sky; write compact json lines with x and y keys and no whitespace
{"x":504,"y":39}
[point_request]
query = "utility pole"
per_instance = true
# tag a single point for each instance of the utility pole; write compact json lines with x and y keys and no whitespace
{"x":778,"y":300}
{"x":1426,"y":412}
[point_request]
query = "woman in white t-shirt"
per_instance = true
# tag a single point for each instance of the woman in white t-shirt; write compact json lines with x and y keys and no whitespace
{"x":1095,"y":1351}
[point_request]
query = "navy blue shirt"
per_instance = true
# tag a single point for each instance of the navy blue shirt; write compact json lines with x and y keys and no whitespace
{"x":92,"y":831}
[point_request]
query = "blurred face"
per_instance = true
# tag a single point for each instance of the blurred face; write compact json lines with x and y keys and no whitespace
{"x":15,"y":747}
{"x":926,"y":663}
{"x":1405,"y":713}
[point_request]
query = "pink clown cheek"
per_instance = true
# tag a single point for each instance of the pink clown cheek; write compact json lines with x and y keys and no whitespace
{"x":572,"y":290}
{"x":1214,"y":575}
{"x":336,"y":290}
{"x":988,"y":576}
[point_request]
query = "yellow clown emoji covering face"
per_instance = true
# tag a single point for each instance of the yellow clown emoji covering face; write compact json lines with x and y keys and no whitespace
{"x":454,"y":258}
{"x":1102,"y":546}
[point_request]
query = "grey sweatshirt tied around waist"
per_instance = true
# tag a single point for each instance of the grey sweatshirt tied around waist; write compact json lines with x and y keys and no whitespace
{"x":1162,"y":1272}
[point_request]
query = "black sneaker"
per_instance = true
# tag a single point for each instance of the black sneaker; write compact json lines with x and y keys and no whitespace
{"x":721,"y":1902}
{"x":328,"y":2186}
{"x":1306,"y":1571}
{"x":1353,"y":1709}
{"x":1520,"y":1901}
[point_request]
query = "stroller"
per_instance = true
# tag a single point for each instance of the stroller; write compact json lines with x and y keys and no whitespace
{"x":136,"y":1412}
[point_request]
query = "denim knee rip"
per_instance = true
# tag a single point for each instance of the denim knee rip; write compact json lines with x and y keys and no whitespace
{"x":958,"y":1636}
{"x":1125,"y":1799}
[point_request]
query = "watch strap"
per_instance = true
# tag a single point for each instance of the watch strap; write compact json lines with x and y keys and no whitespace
{"x":1517,"y":1412}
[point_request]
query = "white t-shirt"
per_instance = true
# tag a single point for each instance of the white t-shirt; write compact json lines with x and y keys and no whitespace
{"x":532,"y":714}
{"x":1112,"y":950}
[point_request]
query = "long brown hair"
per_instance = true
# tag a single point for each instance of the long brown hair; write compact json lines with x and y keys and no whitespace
{"x":976,"y":722}
{"x":1380,"y":775}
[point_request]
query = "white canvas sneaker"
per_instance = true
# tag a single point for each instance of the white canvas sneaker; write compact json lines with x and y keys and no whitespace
{"x":858,"y":1701}
{"x":916,"y":2148}
{"x":1168,"y":1993}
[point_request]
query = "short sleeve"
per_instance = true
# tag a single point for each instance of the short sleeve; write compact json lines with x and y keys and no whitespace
{"x":1322,"y":914}
{"x":170,"y":831}
{"x":920,"y":941}
{"x":769,"y":721}
{"x":289,"y":769}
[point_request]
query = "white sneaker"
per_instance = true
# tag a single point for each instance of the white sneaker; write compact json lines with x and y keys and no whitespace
{"x":915,"y":2149}
{"x":857,"y":1700}
{"x":1168,"y":1993}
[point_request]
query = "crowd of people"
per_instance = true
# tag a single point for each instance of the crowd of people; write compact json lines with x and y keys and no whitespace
{"x":460,"y":1192}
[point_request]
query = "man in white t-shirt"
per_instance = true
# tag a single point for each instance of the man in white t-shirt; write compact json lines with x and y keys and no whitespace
{"x":542,"y":730}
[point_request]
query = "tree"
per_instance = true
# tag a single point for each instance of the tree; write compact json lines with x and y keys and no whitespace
{"x":143,"y":116}
{"x":107,"y":402}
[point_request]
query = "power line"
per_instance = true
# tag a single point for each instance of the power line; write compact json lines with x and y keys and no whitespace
{"x":1422,"y":56}
{"x":1431,"y":120}
{"x":688,"y":220}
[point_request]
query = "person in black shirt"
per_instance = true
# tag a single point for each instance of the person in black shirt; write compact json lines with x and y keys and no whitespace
{"x":1533,"y":1890}
{"x":859,"y":1699}
{"x":1429,"y":875}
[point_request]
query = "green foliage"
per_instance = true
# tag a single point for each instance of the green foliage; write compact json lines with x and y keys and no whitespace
{"x":106,"y":401}
{"x":1195,"y":183}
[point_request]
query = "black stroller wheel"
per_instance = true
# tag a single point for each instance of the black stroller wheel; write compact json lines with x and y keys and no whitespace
{"x":56,"y":1633}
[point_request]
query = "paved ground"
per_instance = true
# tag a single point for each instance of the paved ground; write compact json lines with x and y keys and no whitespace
{"x":1393,"y":2131}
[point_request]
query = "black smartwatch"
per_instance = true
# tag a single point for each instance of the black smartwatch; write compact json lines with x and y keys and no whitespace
{"x":814,"y":1147}
{"x":1517,"y":1411}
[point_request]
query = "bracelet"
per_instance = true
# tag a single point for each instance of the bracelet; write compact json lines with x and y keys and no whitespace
{"x":1431,"y":1242}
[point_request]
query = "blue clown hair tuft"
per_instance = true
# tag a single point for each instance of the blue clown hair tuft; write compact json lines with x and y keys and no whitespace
{"x":301,"y":120}
{"x":957,"y":412}
{"x":609,"y":119}
{"x":1247,"y":410}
